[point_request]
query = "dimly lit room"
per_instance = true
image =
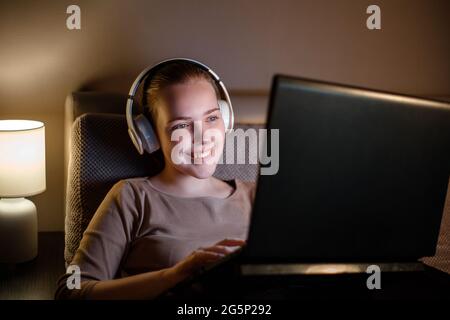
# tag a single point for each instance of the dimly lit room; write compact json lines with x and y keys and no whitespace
{"x":199,"y":151}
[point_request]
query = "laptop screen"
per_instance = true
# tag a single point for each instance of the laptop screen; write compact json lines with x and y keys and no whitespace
{"x":363,"y":176}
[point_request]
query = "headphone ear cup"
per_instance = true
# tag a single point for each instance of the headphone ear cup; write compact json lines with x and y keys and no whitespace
{"x":226,"y":114}
{"x":144,"y":129}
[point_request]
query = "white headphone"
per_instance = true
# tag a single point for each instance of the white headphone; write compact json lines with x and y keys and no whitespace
{"x":140,"y":129}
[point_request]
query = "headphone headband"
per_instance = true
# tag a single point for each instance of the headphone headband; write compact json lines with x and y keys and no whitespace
{"x":158,"y":65}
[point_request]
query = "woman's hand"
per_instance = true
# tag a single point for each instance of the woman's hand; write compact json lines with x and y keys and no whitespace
{"x":149,"y":285}
{"x":204,"y":256}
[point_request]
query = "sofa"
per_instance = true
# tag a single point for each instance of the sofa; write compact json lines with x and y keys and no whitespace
{"x":99,"y":153}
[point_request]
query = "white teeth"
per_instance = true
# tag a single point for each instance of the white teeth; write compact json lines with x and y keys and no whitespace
{"x":199,"y":155}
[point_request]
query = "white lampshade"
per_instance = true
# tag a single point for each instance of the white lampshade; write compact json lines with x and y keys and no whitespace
{"x":22,"y":158}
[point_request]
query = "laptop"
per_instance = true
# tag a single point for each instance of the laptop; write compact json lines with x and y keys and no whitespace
{"x":362,"y":179}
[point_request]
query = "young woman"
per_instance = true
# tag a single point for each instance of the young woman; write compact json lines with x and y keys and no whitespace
{"x":150,"y":233}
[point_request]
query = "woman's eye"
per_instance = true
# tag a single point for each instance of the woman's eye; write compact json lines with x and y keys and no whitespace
{"x":213,"y":118}
{"x":180,"y":126}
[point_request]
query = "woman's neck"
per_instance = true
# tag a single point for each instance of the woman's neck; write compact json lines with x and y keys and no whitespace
{"x":175,"y":182}
{"x":172,"y":177}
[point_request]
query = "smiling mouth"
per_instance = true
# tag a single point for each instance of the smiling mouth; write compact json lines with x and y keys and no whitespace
{"x":201,"y":154}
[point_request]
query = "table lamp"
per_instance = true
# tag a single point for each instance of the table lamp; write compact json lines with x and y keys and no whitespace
{"x":22,"y":174}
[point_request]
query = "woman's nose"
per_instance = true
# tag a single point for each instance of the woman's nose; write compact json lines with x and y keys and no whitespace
{"x":197,"y":135}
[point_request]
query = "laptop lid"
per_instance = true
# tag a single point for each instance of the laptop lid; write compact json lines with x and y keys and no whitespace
{"x":363,"y":176}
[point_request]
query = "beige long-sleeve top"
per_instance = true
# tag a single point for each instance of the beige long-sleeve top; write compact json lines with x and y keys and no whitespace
{"x":138,"y":228}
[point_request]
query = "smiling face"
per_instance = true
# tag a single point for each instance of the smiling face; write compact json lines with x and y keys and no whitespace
{"x":190,"y":127}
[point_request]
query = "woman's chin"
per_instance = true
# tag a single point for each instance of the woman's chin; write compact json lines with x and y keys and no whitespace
{"x":199,"y":171}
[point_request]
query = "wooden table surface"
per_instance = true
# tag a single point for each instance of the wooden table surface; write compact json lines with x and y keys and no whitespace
{"x":35,"y":280}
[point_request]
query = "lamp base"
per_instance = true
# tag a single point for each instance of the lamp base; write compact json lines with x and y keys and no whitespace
{"x":18,"y":230}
